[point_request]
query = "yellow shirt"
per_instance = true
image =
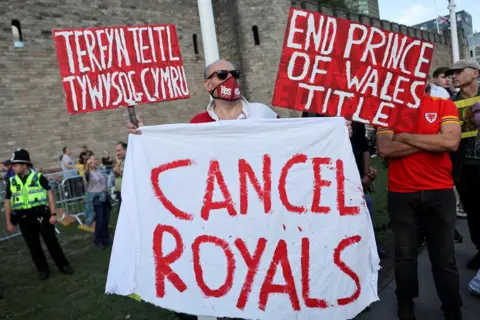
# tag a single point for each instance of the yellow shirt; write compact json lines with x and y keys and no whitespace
{"x":80,"y":168}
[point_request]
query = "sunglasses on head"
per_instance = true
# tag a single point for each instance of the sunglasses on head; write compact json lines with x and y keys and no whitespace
{"x":223,"y":74}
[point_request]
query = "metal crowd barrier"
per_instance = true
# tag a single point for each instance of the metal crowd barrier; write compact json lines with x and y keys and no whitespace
{"x":4,"y":234}
{"x":70,"y":192}
{"x":69,"y":189}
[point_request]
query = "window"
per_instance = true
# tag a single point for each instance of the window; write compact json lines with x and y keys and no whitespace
{"x":17,"y":34}
{"x":477,"y":51}
{"x":256,"y":37}
{"x":471,"y":53}
{"x":195,"y":45}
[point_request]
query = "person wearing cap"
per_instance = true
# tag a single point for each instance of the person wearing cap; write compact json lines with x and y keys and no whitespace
{"x":30,"y":196}
{"x":466,"y":161}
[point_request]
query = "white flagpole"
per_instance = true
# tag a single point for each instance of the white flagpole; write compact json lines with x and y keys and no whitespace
{"x":209,"y":35}
{"x":436,"y":16}
{"x":210,"y":50}
{"x":453,"y":31}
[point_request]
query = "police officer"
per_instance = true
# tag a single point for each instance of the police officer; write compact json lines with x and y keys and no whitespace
{"x":30,"y":197}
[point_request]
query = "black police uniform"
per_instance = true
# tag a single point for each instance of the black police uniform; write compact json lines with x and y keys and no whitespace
{"x":34,"y":222}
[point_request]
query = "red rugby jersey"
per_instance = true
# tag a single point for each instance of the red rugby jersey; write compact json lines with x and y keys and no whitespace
{"x":424,"y":170}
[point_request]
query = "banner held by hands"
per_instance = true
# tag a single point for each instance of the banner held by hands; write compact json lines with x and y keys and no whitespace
{"x":343,"y":68}
{"x":257,"y":230}
{"x":111,"y":67}
{"x":132,"y":115}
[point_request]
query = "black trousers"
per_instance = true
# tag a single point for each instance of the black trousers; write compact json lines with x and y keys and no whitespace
{"x":468,"y":188}
{"x":119,"y":198}
{"x":32,"y":226}
{"x":432,"y":214}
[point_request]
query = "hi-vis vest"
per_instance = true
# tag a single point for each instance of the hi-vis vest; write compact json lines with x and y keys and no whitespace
{"x":28,"y":195}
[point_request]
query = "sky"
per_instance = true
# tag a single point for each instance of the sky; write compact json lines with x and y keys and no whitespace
{"x":410,"y":12}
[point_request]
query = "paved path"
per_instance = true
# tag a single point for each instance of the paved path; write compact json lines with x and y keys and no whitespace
{"x":428,"y":304}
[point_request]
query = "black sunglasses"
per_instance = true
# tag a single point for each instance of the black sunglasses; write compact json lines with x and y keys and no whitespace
{"x":223,"y":74}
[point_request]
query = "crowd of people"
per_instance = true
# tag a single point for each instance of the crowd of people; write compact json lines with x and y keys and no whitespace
{"x":424,"y":166}
{"x":30,"y":200}
{"x":89,"y":178}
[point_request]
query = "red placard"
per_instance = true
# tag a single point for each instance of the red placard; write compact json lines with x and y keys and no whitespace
{"x":111,"y":67}
{"x":338,"y":67}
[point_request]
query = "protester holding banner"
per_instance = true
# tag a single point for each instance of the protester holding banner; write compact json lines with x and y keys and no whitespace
{"x":421,"y":200}
{"x":30,"y":196}
{"x":466,"y":161}
{"x":221,"y":82}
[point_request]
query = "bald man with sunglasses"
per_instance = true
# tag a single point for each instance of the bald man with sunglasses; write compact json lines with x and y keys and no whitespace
{"x":221,"y":80}
{"x":228,"y":103}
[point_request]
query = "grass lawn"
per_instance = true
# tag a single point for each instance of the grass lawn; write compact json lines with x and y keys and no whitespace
{"x":81,"y":296}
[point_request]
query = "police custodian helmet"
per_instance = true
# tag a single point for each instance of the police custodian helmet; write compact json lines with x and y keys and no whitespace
{"x":21,"y":156}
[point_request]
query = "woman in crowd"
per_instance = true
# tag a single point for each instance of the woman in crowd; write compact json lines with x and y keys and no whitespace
{"x":97,"y":202}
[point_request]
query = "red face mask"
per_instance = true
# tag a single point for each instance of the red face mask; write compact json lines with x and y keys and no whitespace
{"x":228,"y":90}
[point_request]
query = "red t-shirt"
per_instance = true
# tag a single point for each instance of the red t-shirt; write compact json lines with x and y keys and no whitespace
{"x":424,"y":170}
{"x":251,"y":111}
{"x":202,"y":118}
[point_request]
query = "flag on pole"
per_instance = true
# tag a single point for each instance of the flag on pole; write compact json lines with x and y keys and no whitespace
{"x":443,"y":20}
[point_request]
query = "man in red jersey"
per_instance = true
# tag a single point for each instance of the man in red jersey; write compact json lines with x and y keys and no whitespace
{"x":421,"y":202}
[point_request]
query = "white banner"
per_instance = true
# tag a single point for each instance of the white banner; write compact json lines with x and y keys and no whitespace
{"x":261,"y":219}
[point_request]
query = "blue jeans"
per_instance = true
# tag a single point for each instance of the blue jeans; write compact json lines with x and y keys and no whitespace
{"x":475,"y":283}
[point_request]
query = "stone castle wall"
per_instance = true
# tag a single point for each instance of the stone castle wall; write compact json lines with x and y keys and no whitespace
{"x":32,"y":105}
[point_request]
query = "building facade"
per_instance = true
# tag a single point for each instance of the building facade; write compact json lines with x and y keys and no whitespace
{"x":464,"y":28}
{"x":464,"y":24}
{"x":368,"y":7}
{"x":34,"y":115}
{"x":474,"y":46}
